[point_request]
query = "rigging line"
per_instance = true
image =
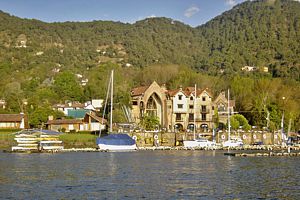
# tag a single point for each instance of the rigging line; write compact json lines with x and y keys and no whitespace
{"x":107,"y":94}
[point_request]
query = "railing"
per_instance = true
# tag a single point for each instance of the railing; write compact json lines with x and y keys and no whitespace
{"x":205,"y":110}
{"x":179,"y":119}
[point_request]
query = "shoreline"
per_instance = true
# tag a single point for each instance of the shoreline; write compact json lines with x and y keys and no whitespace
{"x":240,"y":151}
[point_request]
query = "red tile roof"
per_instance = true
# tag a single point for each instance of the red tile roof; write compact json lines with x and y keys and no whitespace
{"x":139,"y":90}
{"x":73,"y":105}
{"x":11,"y":117}
{"x":99,"y":119}
{"x":173,"y":92}
{"x":65,"y":121}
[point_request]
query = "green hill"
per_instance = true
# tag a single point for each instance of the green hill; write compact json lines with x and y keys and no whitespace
{"x":39,"y":60}
{"x":256,"y":33}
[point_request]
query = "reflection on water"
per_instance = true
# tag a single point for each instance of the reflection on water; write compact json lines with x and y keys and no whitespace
{"x":148,"y":174}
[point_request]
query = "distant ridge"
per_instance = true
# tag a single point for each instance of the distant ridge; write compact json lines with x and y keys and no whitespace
{"x":255,"y":33}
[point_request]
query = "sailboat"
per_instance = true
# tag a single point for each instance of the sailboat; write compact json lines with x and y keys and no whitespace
{"x":114,"y":141}
{"x":200,"y":142}
{"x":231,"y":142}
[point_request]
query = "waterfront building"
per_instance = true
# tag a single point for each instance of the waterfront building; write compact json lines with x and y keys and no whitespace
{"x":179,"y":109}
{"x":90,"y":122}
{"x":187,"y":110}
{"x":221,"y":104}
{"x":13,"y":121}
{"x":150,"y":100}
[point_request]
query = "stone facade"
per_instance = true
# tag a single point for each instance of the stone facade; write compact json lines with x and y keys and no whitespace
{"x":180,"y":109}
{"x":221,"y":104}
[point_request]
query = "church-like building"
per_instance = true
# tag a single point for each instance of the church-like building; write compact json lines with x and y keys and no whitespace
{"x":181,"y":109}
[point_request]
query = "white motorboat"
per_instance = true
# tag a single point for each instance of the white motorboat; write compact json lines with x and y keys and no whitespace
{"x":233,"y":143}
{"x":198,"y":143}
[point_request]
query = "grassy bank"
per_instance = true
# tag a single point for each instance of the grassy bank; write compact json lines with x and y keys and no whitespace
{"x":78,"y":140}
{"x":7,"y":139}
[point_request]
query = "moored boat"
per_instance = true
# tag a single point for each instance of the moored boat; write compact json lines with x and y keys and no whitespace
{"x":114,"y":141}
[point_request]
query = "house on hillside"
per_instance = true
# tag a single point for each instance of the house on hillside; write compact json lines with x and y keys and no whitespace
{"x":90,"y":122}
{"x":68,"y":106}
{"x":73,"y":107}
{"x":2,"y":103}
{"x":13,"y":121}
{"x":249,"y":68}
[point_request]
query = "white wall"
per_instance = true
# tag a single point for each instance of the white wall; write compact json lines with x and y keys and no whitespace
{"x":183,"y":101}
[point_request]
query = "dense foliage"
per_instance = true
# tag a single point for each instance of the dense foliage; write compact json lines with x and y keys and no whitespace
{"x":46,"y":63}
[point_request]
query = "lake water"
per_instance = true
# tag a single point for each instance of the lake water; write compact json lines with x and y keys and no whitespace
{"x":148,"y":175}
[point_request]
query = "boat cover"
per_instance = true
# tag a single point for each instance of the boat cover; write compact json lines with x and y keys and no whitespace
{"x":116,"y":139}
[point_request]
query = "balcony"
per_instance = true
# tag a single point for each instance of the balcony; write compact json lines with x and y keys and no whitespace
{"x":191,"y":119}
{"x":179,"y":119}
{"x":205,"y":110}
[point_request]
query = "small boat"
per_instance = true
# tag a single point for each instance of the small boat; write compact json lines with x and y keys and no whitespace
{"x":37,"y":140}
{"x":114,"y":141}
{"x":233,"y":143}
{"x":198,"y":143}
{"x":19,"y":148}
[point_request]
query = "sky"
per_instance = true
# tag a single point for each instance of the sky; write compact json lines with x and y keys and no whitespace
{"x":191,"y":12}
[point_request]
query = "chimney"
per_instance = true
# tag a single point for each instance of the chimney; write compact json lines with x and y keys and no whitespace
{"x":50,"y":117}
{"x":164,"y":87}
{"x":22,"y":123}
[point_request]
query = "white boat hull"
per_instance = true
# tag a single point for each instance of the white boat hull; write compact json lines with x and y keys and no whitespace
{"x":51,"y":142}
{"x":52,"y":148}
{"x":197,"y":143}
{"x":231,"y":143}
{"x":106,"y":147}
{"x":16,"y":148}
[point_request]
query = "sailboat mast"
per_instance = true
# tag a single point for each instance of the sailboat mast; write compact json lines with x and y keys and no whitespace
{"x":195,"y":111}
{"x":228,"y":110}
{"x":111,"y":98}
{"x":105,"y":105}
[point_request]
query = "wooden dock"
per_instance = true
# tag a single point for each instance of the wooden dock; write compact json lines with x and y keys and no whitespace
{"x":266,"y":154}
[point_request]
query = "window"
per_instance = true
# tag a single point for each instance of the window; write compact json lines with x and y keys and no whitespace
{"x":180,"y":97}
{"x":135,"y":103}
{"x":191,"y":116}
{"x":203,"y":108}
{"x":178,"y":116}
{"x":203,"y":99}
{"x":191,"y":106}
{"x":203,"y":117}
{"x":191,"y":98}
{"x":180,"y":106}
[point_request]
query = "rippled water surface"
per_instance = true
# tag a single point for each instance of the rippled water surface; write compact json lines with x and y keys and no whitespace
{"x":148,"y":175}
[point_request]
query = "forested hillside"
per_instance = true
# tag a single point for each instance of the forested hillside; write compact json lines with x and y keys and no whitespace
{"x":46,"y":63}
{"x":259,"y":33}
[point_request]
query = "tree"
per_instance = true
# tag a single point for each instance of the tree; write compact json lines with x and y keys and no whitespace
{"x":67,"y":87}
{"x":38,"y":116}
{"x":150,"y":122}
{"x":238,"y":121}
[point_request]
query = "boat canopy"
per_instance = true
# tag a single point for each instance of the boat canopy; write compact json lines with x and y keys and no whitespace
{"x":116,"y":139}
